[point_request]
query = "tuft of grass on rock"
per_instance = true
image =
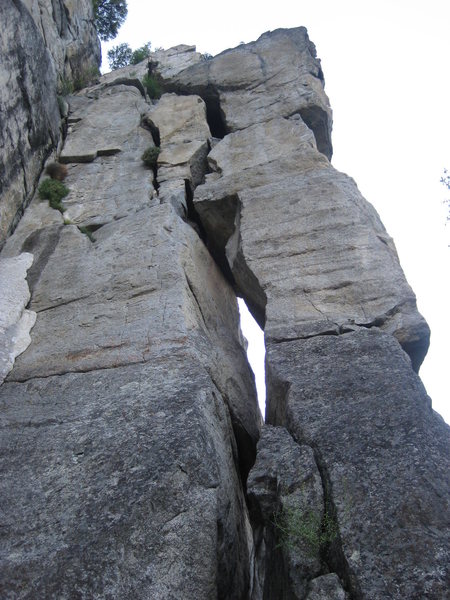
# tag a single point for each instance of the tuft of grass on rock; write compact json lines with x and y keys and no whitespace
{"x":152,"y":86}
{"x":150,"y":156}
{"x":53,"y":191}
{"x":305,"y":529}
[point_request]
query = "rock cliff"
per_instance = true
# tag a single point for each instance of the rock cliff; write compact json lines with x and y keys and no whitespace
{"x":47,"y":47}
{"x":134,"y":458}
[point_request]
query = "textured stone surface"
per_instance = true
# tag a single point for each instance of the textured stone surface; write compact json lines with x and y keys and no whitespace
{"x":176,"y":59}
{"x":67,"y":26}
{"x":141,"y":420}
{"x":15,"y":321}
{"x":326,"y":587}
{"x":383,"y":454}
{"x":185,"y":142}
{"x":107,"y":121}
{"x":42,"y":42}
{"x":129,"y":424}
{"x":242,"y":86}
{"x":30,"y":115}
{"x":299,"y":236}
{"x":284,"y":478}
{"x":133,"y":486}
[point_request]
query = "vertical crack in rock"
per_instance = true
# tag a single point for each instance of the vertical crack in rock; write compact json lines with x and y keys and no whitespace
{"x":214,"y":113}
{"x":290,"y":516}
{"x":332,"y":552}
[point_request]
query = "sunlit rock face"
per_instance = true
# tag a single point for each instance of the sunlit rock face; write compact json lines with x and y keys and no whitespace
{"x":134,"y":458}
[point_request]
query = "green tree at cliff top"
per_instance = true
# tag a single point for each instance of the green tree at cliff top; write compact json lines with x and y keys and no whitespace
{"x":109,"y":16}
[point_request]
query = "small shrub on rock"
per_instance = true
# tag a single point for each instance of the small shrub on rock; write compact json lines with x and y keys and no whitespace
{"x":53,"y":191}
{"x":152,"y":86}
{"x":150,"y":156}
{"x":305,"y":529}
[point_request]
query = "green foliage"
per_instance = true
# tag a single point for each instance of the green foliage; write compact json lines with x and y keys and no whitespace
{"x":152,"y":86}
{"x":122,"y":55}
{"x":109,"y":15}
{"x":304,"y":529}
{"x":53,"y":191}
{"x":150,"y":156}
{"x":140,"y":54}
{"x":85,"y":77}
{"x":119,"y":56}
{"x":65,"y":86}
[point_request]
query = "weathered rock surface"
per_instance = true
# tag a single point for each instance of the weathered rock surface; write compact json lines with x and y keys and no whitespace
{"x":242,"y":86}
{"x":134,"y":376}
{"x":129,"y":425}
{"x":15,"y":320}
{"x":307,"y":252}
{"x":133,"y":486}
{"x":30,"y":114}
{"x":383,"y":456}
{"x":185,"y":142}
{"x":326,"y":587}
{"x":285,"y":489}
{"x":175,"y":60}
{"x":41,"y":41}
{"x":93,"y":134}
{"x":68,"y":28}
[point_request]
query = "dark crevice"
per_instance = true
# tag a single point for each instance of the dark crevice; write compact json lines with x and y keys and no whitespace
{"x":316,"y":119}
{"x":333,"y":554}
{"x":192,"y":215}
{"x":213,"y":235}
{"x":88,"y":230}
{"x":215,"y":117}
{"x":148,"y":124}
{"x":246,"y":446}
{"x":66,"y":303}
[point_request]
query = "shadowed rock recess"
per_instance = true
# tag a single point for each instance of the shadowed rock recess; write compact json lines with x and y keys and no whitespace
{"x":134,"y":461}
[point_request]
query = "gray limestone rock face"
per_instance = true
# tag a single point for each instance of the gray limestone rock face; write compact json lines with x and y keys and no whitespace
{"x":184,"y":137}
{"x":141,"y":420}
{"x":43,"y":43}
{"x":242,"y":86}
{"x":306,"y":250}
{"x":326,"y":587}
{"x":30,"y":119}
{"x":68,"y":28}
{"x":129,"y":424}
{"x":383,"y":454}
{"x":121,"y":483}
{"x":287,"y":510}
{"x":176,"y":59}
{"x":93,"y":134}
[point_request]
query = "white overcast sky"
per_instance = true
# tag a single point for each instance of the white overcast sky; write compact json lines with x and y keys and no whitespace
{"x":386,"y":66}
